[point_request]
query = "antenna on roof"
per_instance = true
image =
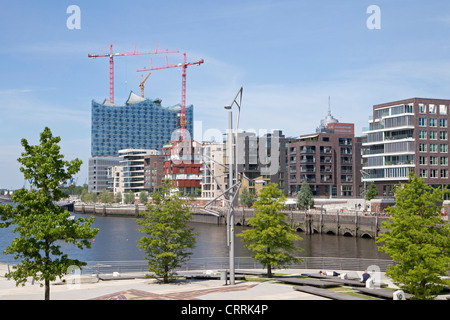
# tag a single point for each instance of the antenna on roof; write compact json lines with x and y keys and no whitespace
{"x":329,"y":106}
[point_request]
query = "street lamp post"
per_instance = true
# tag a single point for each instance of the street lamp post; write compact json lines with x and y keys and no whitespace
{"x":230,"y":193}
{"x":232,"y":176}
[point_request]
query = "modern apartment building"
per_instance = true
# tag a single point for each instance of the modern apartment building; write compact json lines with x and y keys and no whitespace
{"x":329,"y":162}
{"x":139,"y":124}
{"x":404,"y":136}
{"x":99,"y":177}
{"x":132,"y":162}
{"x":261,"y":158}
{"x":153,"y":172}
{"x":213,"y":174}
{"x":115,"y":175}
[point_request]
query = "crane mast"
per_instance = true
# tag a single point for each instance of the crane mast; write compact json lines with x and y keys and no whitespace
{"x":113,"y":54}
{"x":184,"y":66}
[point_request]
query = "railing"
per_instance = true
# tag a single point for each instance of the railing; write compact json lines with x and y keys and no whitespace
{"x":326,"y":263}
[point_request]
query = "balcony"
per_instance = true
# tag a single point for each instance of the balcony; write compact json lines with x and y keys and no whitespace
{"x":307,"y":149}
{"x":308,"y":159}
{"x":309,"y":178}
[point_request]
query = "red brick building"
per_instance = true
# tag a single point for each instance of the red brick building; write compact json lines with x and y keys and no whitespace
{"x":182,"y":164}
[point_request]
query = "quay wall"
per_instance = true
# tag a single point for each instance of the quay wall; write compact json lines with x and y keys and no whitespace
{"x":336,"y":222}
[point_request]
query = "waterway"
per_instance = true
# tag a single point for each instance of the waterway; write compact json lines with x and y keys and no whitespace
{"x":117,"y":236}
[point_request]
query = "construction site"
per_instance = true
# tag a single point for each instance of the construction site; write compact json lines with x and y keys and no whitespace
{"x":139,"y":123}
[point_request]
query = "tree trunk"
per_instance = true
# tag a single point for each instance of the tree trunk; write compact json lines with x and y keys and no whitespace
{"x":47,"y":289}
{"x":47,"y":281}
{"x":269,"y":267}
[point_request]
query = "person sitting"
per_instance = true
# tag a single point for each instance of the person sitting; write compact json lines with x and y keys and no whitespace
{"x":328,"y":273}
{"x":365,"y":276}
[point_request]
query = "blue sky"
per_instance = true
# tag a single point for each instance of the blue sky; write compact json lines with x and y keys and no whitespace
{"x":289,"y":56}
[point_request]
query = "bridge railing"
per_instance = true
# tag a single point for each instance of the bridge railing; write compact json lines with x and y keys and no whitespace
{"x":325,"y":263}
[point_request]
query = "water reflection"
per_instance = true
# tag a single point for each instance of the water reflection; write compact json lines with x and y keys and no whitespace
{"x":117,"y":238}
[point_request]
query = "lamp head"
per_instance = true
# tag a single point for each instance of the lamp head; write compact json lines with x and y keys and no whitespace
{"x":227,"y":107}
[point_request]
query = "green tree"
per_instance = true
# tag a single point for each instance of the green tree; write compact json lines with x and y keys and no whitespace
{"x":88,"y":197}
{"x":106,"y":196}
{"x":118,"y":197}
{"x":143,"y":197}
{"x":247,"y":198}
{"x":418,"y":240}
{"x":271,"y":239}
{"x":305,"y":197}
{"x":129,"y":197}
{"x":372,"y":192}
{"x":168,"y":241}
{"x":40,"y":223}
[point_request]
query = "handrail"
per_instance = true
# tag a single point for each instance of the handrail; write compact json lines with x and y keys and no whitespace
{"x":326,"y":263}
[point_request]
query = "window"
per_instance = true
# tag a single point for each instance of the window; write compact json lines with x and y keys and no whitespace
{"x":422,"y":147}
{"x":442,"y":123}
{"x":444,"y":161}
{"x":433,"y":173}
{"x":422,"y":122}
{"x":422,"y":108}
{"x":432,"y":108}
{"x":444,"y":173}
{"x":345,"y":141}
{"x":433,"y":161}
{"x":433,"y":122}
{"x":442,"y":109}
{"x":433,"y":147}
{"x":433,"y":135}
{"x":443,"y":148}
{"x":443,"y":135}
{"x":423,"y":160}
{"x":346,"y":191}
{"x":422,"y":134}
{"x":423,"y":173}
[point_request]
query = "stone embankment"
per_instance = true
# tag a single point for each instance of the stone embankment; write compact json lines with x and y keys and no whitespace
{"x":346,"y":222}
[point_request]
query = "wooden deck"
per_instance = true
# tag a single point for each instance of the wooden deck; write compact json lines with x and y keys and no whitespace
{"x":310,"y":282}
{"x":327,"y":293}
{"x":381,"y":293}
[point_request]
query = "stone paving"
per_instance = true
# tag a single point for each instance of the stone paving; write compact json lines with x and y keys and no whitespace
{"x":133,"y":294}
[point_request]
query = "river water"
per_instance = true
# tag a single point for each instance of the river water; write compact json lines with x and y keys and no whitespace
{"x":117,"y":236}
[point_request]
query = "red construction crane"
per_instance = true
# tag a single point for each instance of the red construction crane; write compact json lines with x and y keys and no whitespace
{"x":111,"y":56}
{"x":184,"y":66}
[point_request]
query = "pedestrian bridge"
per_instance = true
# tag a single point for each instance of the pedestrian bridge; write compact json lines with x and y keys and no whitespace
{"x":4,"y":198}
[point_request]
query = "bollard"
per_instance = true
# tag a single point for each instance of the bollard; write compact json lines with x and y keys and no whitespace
{"x":398,"y":295}
{"x":370,"y":283}
{"x":224,"y":276}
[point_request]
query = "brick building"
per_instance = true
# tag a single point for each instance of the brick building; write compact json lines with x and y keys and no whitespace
{"x":183,"y":164}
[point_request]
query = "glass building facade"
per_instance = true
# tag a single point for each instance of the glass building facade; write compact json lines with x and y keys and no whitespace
{"x":139,"y":124}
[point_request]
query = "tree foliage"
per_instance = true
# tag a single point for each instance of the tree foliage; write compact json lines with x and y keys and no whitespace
{"x":372,"y":192}
{"x":129,"y":197}
{"x":418,"y":240}
{"x":143,"y":197}
{"x":247,"y":198}
{"x":106,"y":196}
{"x":169,"y":240}
{"x":271,"y":239}
{"x":40,"y":223}
{"x":305,"y":197}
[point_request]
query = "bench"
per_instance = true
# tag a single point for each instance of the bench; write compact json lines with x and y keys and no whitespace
{"x":344,"y":282}
{"x":382,"y":293}
{"x":326,"y":293}
{"x":211,"y":276}
{"x":251,"y":272}
{"x":310,"y":282}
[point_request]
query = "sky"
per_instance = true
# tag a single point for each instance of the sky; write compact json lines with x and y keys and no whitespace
{"x":289,"y":56}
